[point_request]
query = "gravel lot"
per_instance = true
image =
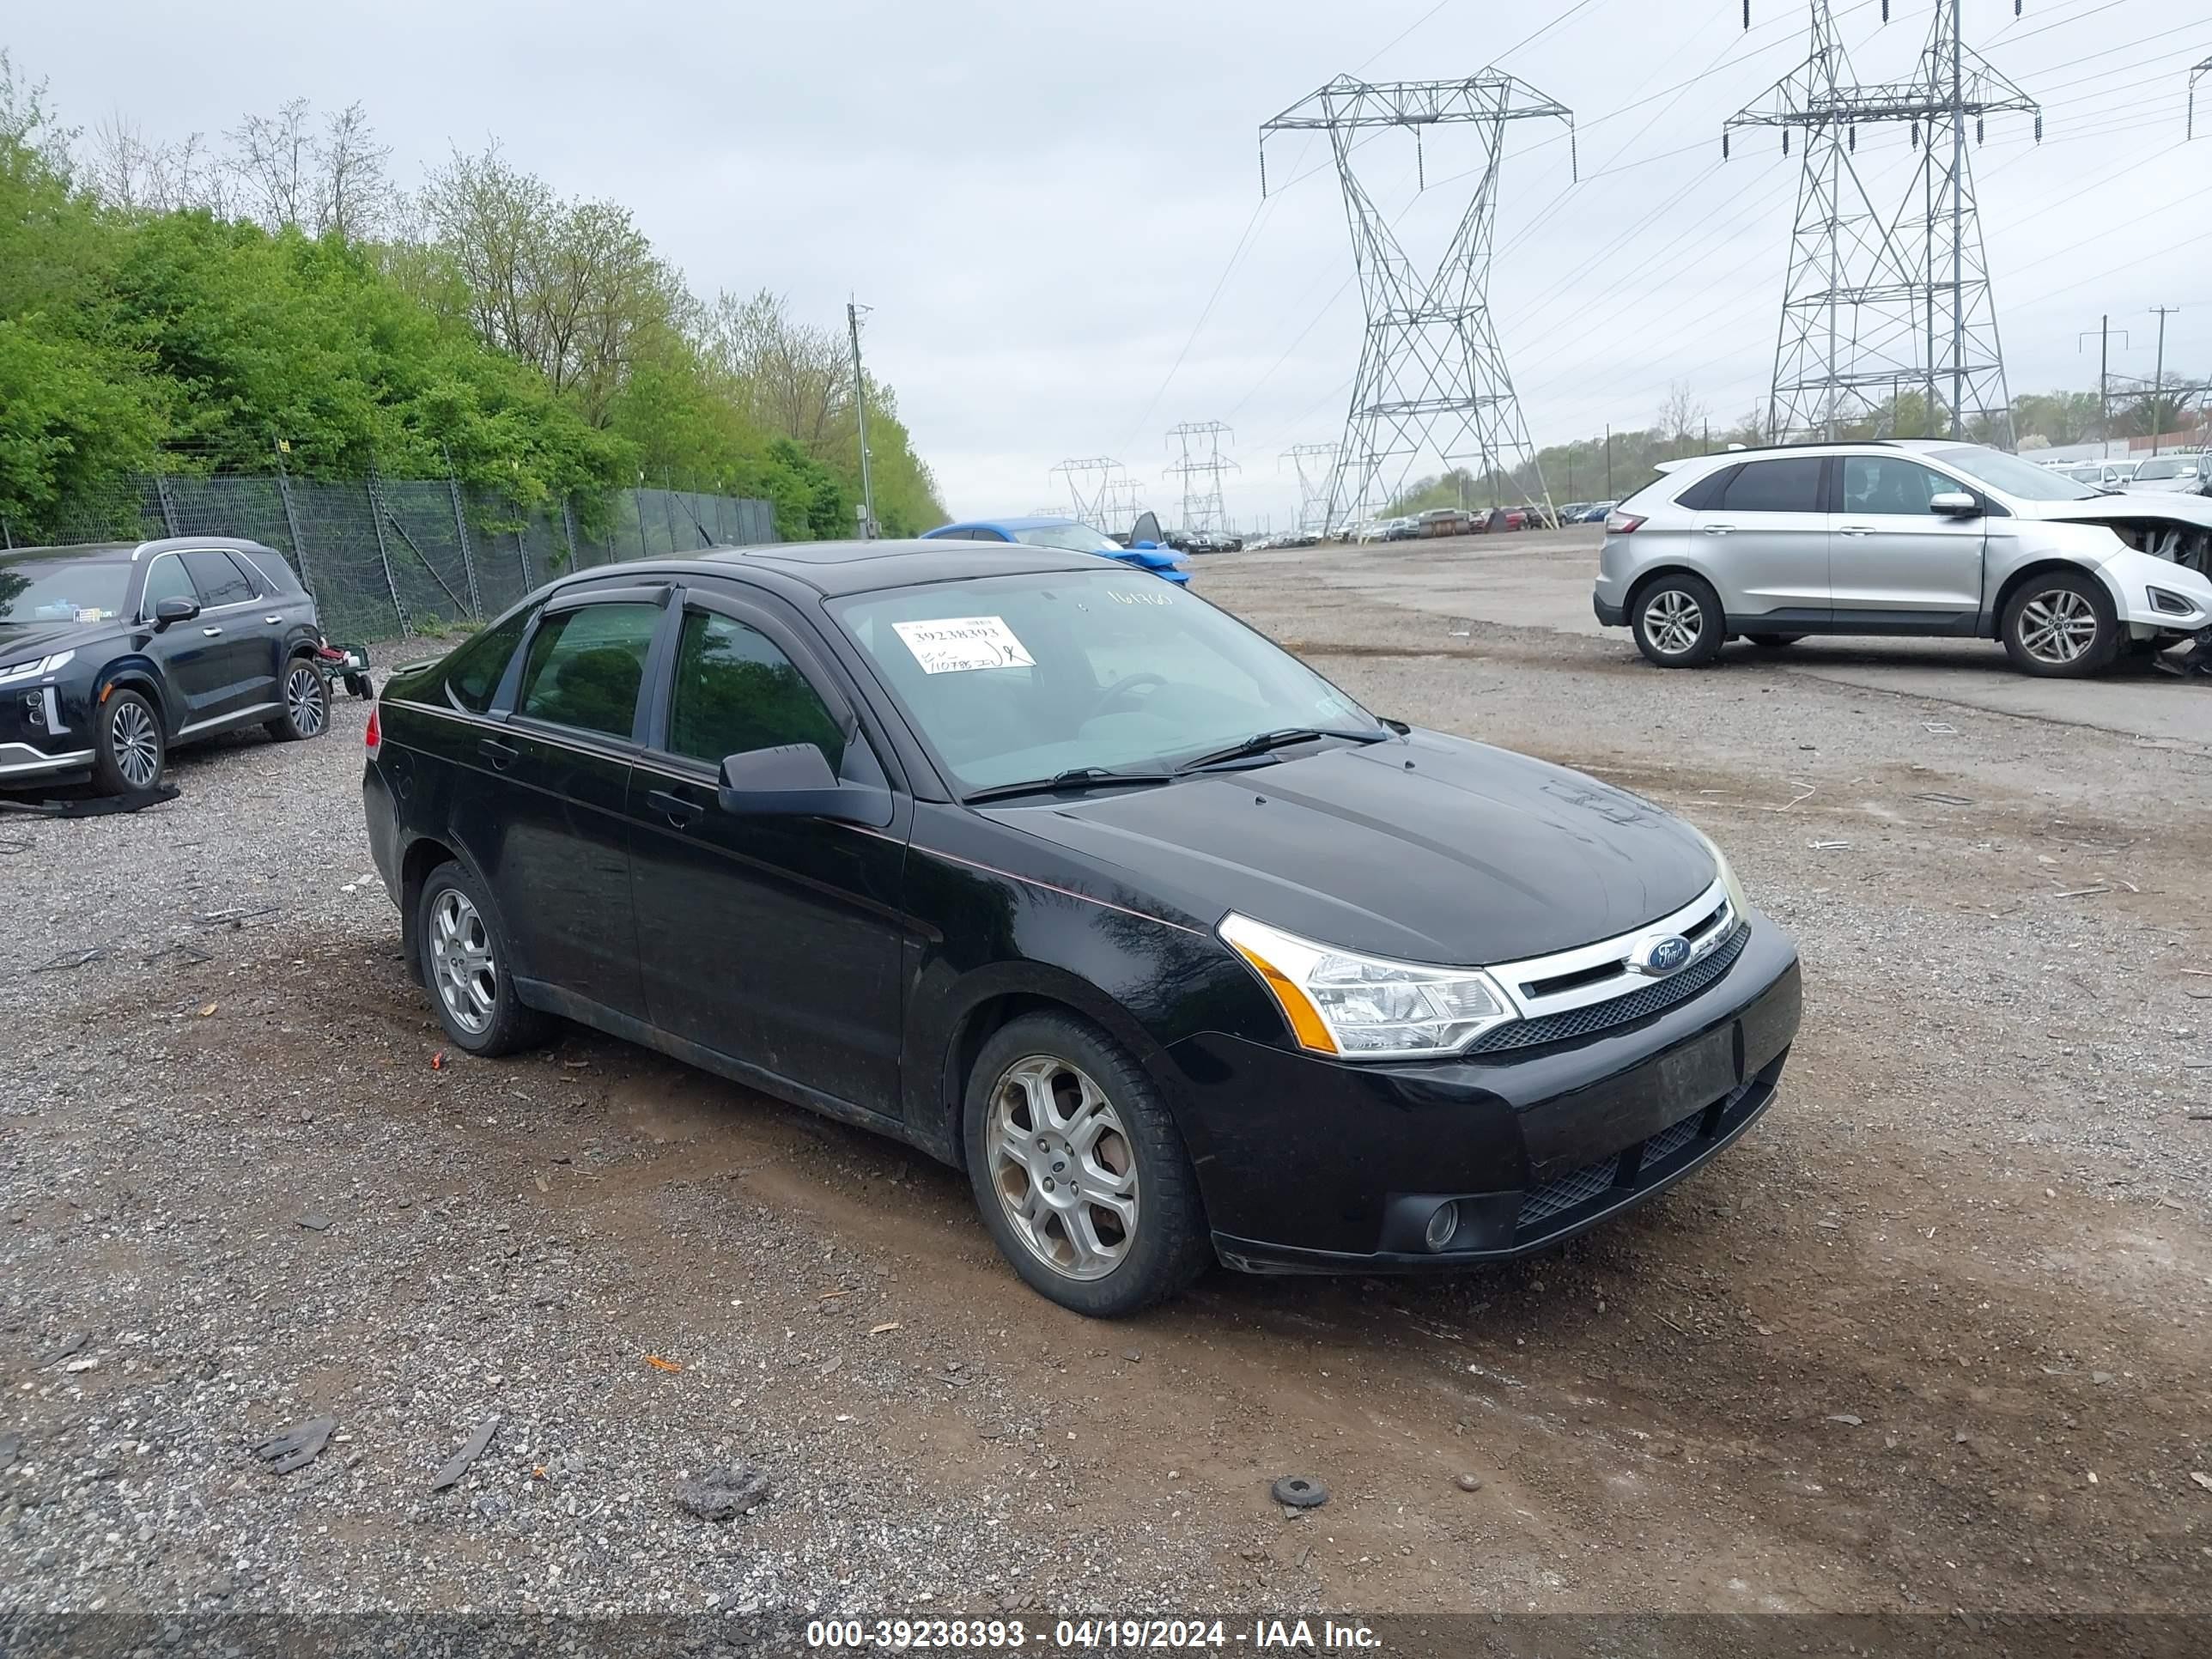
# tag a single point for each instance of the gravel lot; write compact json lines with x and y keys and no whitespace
{"x":1934,"y":1336}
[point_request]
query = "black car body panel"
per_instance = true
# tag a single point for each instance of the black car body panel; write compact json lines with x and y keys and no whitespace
{"x":218,"y":671}
{"x":857,"y":968}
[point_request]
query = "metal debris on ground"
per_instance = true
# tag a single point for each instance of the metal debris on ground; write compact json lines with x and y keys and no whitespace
{"x":70,"y":960}
{"x":297,"y":1446}
{"x":1940,"y":728}
{"x":472,"y":1450}
{"x":1937,"y":798}
{"x":725,"y":1494}
{"x":1828,"y":846}
{"x":1297,"y":1491}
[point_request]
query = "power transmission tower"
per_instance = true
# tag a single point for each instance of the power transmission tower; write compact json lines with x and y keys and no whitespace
{"x":1879,"y":305}
{"x":1431,"y":372}
{"x":2195,"y":75}
{"x":1090,"y":503}
{"x":1316,"y":466}
{"x":1120,"y":500}
{"x":1201,"y":467}
{"x":2104,"y":333}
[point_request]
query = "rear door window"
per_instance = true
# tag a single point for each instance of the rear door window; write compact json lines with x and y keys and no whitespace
{"x":218,"y":579}
{"x":473,"y":672}
{"x":1787,"y":486}
{"x":586,"y":666}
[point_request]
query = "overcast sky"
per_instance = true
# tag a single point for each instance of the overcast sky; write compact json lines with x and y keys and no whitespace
{"x":1039,"y":199}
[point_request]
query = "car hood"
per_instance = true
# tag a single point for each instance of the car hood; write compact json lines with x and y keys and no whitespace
{"x":1435,"y":850}
{"x":2141,"y":504}
{"x":43,"y":639}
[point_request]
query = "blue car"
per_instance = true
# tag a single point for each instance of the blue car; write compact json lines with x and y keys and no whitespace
{"x":1071,"y":535}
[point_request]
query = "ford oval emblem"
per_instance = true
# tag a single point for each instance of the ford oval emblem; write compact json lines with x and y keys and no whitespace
{"x":1660,"y":955}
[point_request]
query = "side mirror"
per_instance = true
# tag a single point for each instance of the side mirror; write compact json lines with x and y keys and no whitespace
{"x":795,"y":782}
{"x":1954,"y":504}
{"x":172,"y":610}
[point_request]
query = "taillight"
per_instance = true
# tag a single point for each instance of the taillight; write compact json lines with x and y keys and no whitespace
{"x":374,"y":736}
{"x":1622,"y":524}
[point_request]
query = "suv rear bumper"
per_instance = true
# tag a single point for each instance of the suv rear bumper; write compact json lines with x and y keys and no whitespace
{"x":1608,"y":616}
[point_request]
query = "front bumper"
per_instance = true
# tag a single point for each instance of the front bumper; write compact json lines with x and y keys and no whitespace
{"x":1314,"y":1166}
{"x":41,"y":734}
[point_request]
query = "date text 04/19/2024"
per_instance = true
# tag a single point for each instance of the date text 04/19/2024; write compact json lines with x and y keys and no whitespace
{"x":1088,"y":1635}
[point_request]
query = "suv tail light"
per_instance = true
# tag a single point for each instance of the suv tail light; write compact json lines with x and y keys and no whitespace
{"x":374,"y":736}
{"x":1622,"y":524}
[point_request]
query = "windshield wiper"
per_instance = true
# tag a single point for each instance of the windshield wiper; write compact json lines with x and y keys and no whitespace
{"x":1262,"y":742}
{"x":1076,"y":777}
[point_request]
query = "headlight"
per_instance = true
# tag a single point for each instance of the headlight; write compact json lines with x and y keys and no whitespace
{"x":1338,"y":1002}
{"x":36,"y":666}
{"x":1728,"y":876}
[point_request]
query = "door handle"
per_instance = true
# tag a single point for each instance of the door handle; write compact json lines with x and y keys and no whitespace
{"x":212,"y":633}
{"x":272,"y":619}
{"x":1718,"y":529}
{"x":501,"y":754}
{"x":1856,"y":529}
{"x":678,"y":811}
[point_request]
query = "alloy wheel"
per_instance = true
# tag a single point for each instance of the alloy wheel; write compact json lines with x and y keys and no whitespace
{"x":2058,"y":626}
{"x":461,"y":964}
{"x":1673,"y":620}
{"x":305,"y":701}
{"x":136,"y":744}
{"x":1063,"y":1166}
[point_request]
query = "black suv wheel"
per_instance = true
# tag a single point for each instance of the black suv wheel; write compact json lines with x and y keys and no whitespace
{"x":130,"y":753}
{"x":306,"y":702}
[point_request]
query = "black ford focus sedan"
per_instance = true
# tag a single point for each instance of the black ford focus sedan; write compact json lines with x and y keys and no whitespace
{"x":1065,"y":877}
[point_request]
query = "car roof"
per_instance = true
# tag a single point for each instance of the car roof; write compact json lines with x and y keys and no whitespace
{"x":96,"y":552}
{"x":833,"y":569}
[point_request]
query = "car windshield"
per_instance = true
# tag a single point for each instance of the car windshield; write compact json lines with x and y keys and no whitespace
{"x":33,"y":591}
{"x":1011,"y":679}
{"x":1071,"y":538}
{"x":2180,"y":467}
{"x":2010,"y":476}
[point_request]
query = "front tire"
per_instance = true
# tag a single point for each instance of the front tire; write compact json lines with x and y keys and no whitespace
{"x":2061,"y":625}
{"x":1678,"y":622}
{"x":1079,"y":1170}
{"x":465,"y":963}
{"x":129,"y":753}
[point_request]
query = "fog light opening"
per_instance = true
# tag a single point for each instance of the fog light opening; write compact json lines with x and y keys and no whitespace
{"x":1443,"y":1224}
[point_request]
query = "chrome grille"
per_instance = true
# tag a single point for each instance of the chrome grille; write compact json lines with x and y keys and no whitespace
{"x":1655,"y":997}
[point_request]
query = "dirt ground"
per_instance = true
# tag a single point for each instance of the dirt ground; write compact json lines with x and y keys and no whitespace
{"x":1937,"y":1335}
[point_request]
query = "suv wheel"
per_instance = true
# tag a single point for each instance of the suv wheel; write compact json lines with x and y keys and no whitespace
{"x":1677,"y":620}
{"x":2061,"y":624}
{"x":1080,"y":1170}
{"x":307,"y":703}
{"x":465,"y":964}
{"x":130,"y":753}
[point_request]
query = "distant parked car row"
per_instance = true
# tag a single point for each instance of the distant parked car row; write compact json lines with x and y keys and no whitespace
{"x":2176,"y":472}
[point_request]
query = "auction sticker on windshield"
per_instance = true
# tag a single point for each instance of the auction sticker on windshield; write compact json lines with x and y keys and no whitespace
{"x":956,"y":645}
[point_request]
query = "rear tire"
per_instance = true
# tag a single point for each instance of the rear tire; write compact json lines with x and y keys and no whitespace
{"x":1774,"y":642}
{"x":2061,"y":625}
{"x":1079,"y":1170}
{"x":307,"y":695}
{"x":1677,"y":620}
{"x":467,"y":965}
{"x":130,"y":751}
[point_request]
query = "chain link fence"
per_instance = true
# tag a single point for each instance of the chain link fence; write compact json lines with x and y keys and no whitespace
{"x":388,"y":556}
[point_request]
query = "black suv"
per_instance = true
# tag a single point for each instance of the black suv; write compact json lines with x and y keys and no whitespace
{"x":1063,"y":876}
{"x":109,"y":655}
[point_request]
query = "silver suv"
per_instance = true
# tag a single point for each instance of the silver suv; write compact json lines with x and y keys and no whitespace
{"x":1911,"y":536}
